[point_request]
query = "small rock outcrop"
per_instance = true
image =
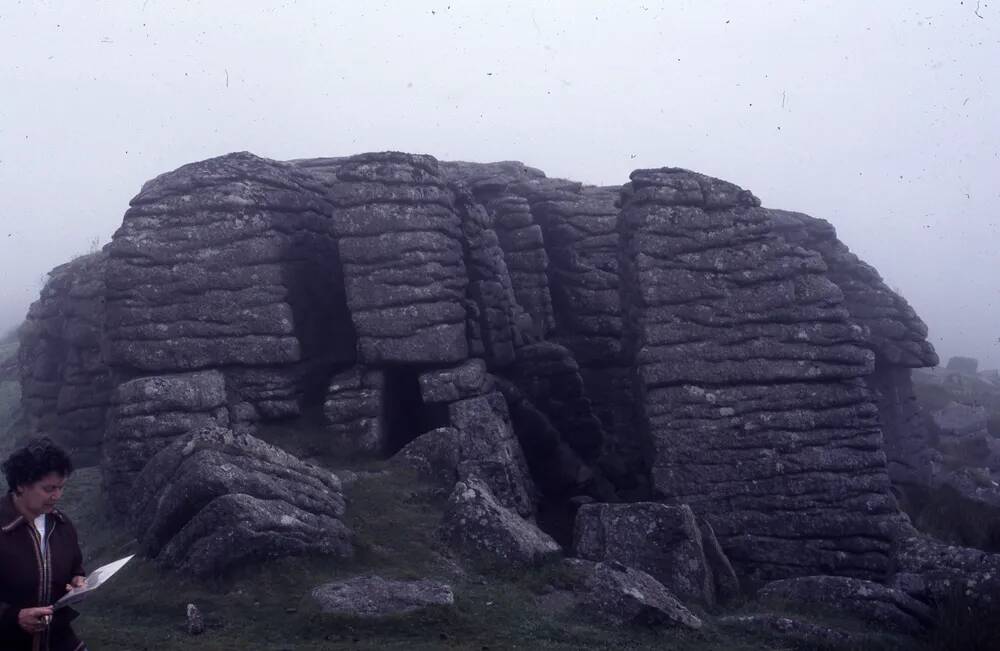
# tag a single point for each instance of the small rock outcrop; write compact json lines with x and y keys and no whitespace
{"x":480,"y":528}
{"x":663,"y":541}
{"x":622,"y":595}
{"x":374,"y":596}
{"x":214,"y":499}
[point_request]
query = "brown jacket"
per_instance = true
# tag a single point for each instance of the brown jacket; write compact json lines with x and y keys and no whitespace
{"x":27,"y":580}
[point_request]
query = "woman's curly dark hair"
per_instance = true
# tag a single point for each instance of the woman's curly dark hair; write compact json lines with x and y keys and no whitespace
{"x":35,"y":460}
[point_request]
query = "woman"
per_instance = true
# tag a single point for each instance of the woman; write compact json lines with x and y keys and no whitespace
{"x":40,"y":558}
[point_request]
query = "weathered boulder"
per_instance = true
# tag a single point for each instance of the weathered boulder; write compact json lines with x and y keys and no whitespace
{"x":374,"y":596}
{"x":622,"y":595}
{"x":236,"y":529}
{"x":489,"y":451}
{"x":662,"y":540}
{"x":150,"y":413}
{"x":888,"y":608}
{"x":214,"y":499}
{"x":477,"y":526}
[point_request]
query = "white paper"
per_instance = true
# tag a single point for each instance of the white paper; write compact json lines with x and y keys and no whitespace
{"x":95,"y":580}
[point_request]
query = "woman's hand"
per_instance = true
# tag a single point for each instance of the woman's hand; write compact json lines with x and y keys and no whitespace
{"x":34,"y":620}
{"x":76,"y":582}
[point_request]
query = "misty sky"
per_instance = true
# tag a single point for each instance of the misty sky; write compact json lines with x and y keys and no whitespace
{"x":881,"y":117}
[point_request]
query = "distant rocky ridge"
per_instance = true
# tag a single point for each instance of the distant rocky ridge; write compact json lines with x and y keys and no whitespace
{"x":668,"y":340}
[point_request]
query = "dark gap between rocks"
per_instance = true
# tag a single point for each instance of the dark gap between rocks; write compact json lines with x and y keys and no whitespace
{"x":406,"y":415}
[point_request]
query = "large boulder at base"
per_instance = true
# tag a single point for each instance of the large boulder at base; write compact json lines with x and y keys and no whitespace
{"x":374,"y":596}
{"x":237,"y":529}
{"x":882,"y":606}
{"x":196,"y":496}
{"x":935,"y":572}
{"x":623,"y":595}
{"x":148,"y":414}
{"x":661,"y":540}
{"x":478,"y":527}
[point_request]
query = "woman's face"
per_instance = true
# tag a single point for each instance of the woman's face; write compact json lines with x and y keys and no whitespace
{"x":42,"y":496}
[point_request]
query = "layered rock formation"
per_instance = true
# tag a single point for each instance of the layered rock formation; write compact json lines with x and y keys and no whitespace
{"x":66,"y":383}
{"x":668,"y":340}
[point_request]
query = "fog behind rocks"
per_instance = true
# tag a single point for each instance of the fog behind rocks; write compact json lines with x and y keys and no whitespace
{"x":878,"y":118}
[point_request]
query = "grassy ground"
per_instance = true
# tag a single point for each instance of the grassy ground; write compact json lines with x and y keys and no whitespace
{"x":394,"y":517}
{"x":265,"y":607}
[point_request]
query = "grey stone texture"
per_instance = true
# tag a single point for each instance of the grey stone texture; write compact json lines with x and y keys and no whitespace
{"x":666,"y":340}
{"x":66,"y":384}
{"x":620,"y":595}
{"x":375,"y":596}
{"x":663,"y":541}
{"x":150,"y":413}
{"x":478,"y":527}
{"x":750,"y":374}
{"x":213,"y":500}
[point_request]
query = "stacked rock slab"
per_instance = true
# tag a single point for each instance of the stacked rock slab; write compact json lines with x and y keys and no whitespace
{"x":519,"y":236}
{"x":580,"y":229}
{"x":147,"y":415}
{"x":65,"y":381}
{"x":749,"y":373}
{"x":893,"y":332}
{"x":401,"y":248}
{"x":496,"y":321}
{"x":229,"y":263}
